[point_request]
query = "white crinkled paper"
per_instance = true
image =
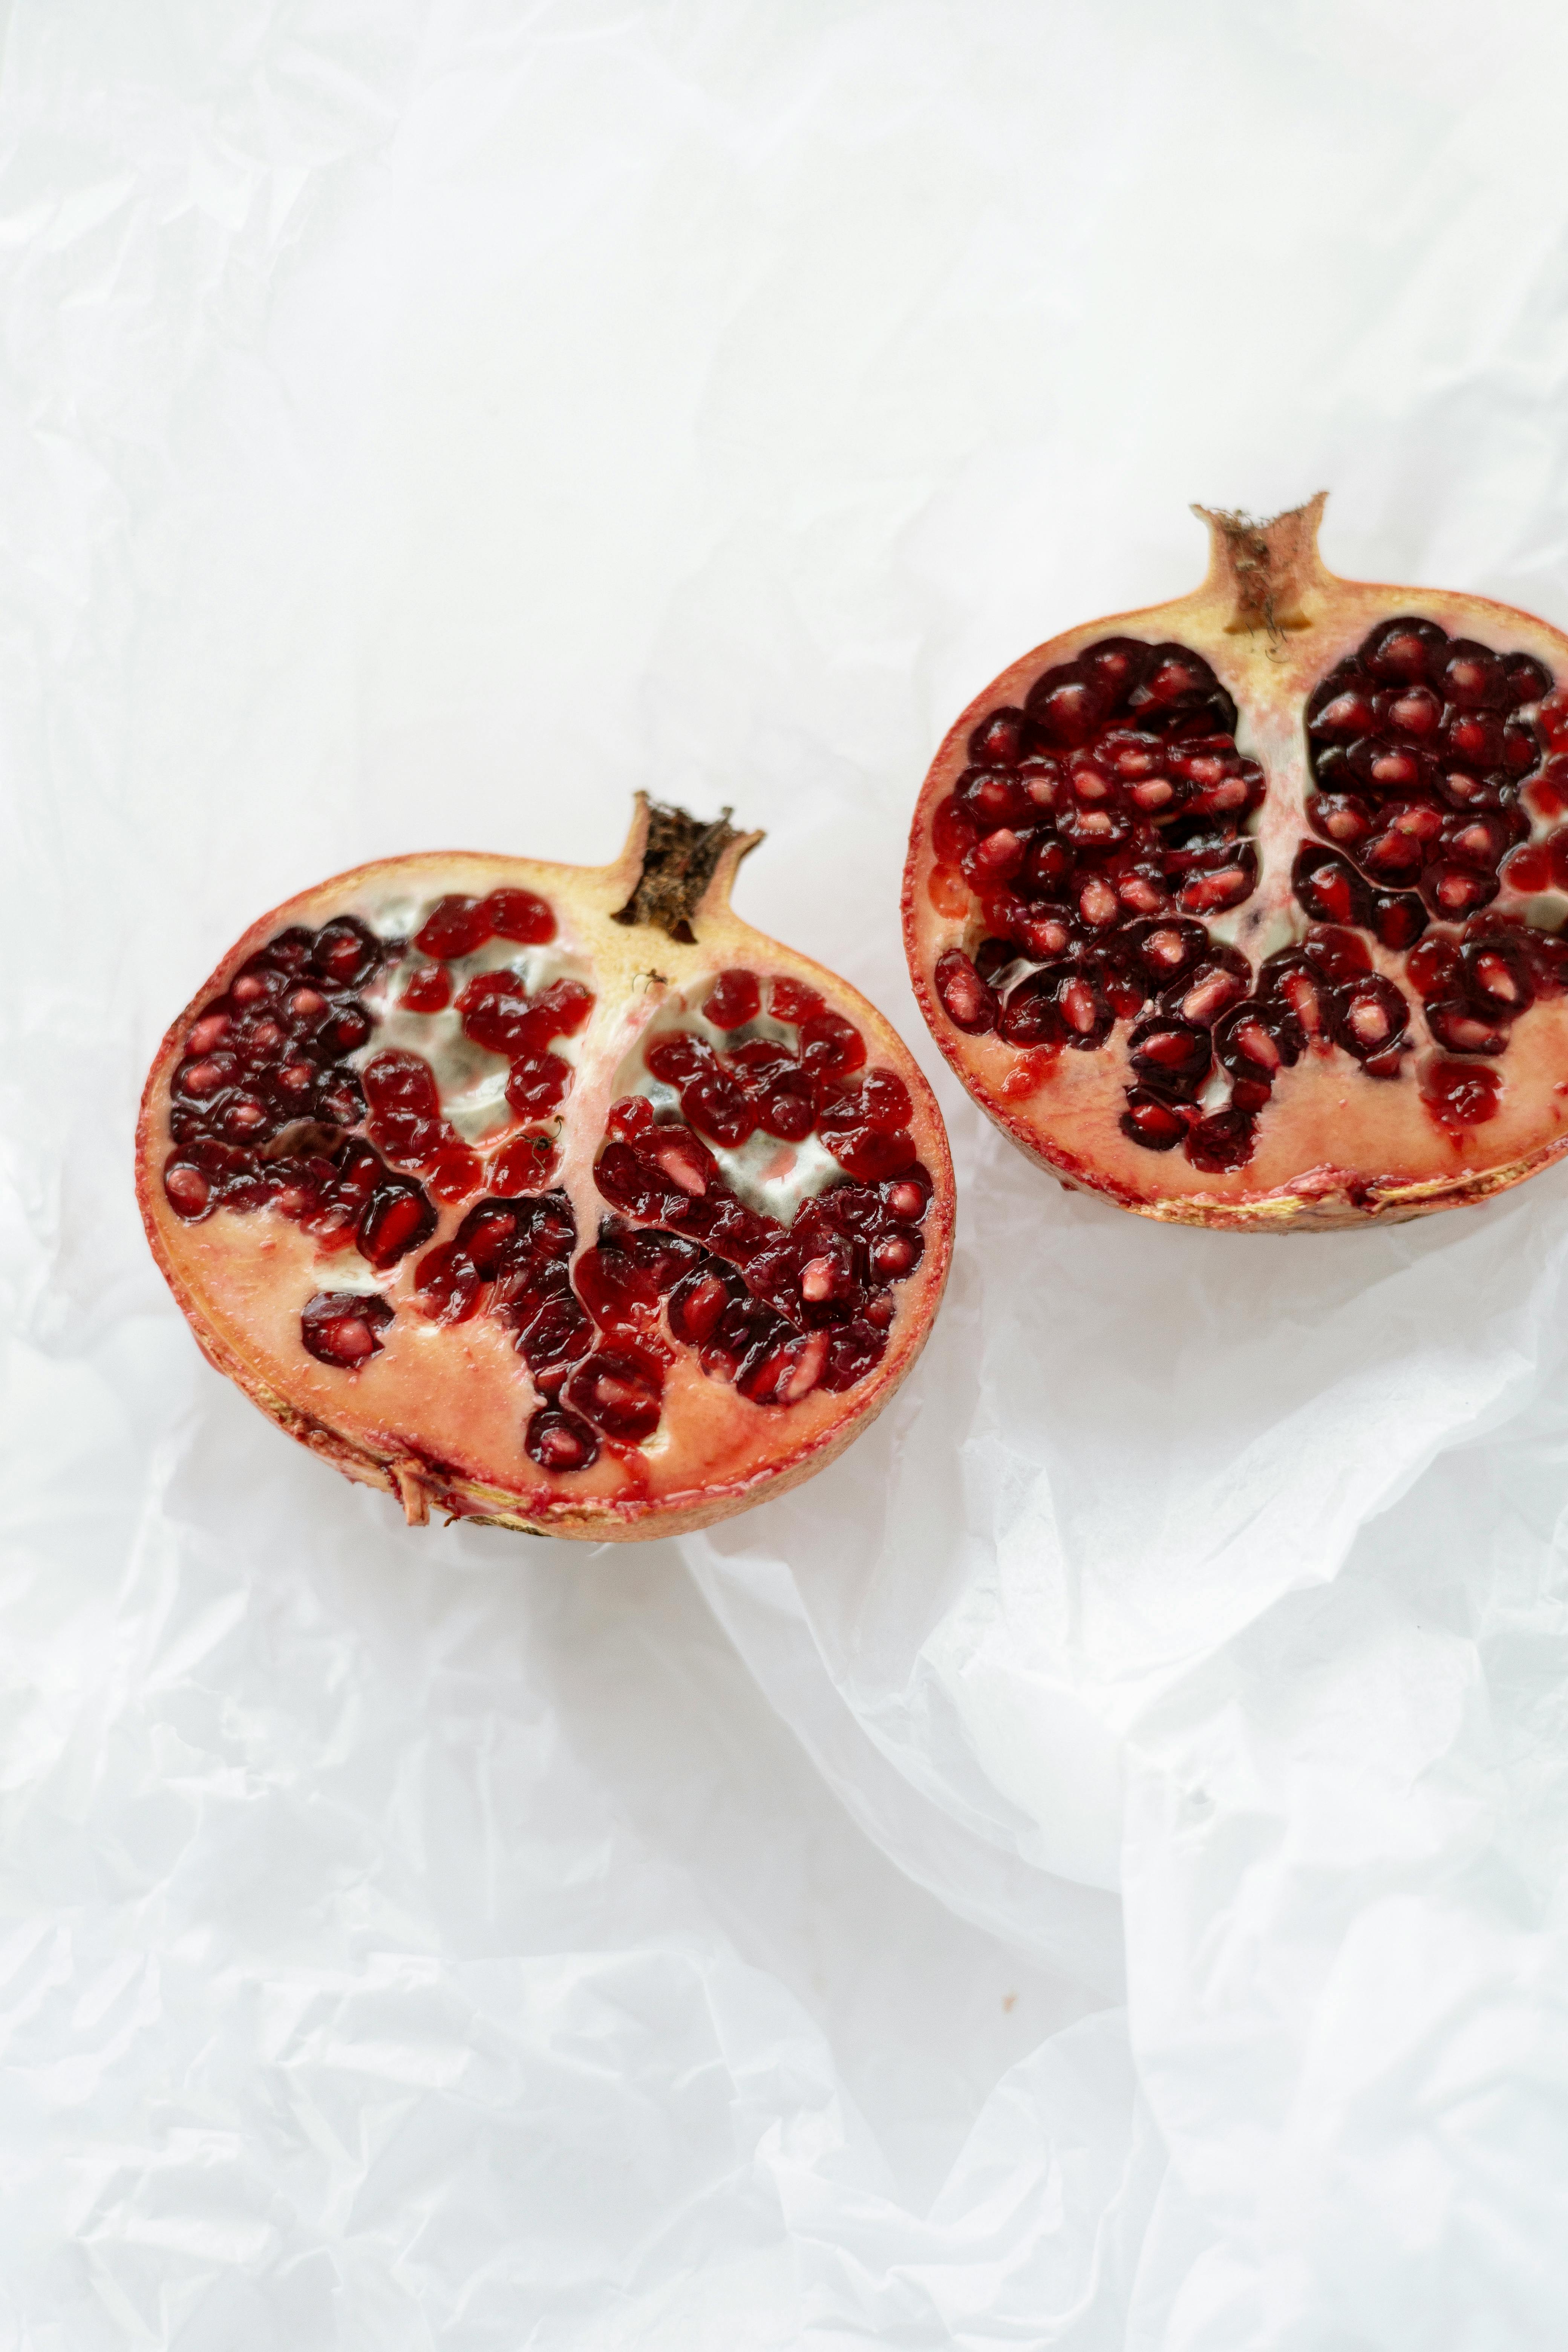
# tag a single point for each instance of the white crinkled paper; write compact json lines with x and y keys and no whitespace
{"x":1085,"y":1871}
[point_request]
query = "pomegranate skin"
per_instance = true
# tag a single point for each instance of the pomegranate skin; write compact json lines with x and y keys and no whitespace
{"x":560,"y":1392}
{"x":1009,"y":898}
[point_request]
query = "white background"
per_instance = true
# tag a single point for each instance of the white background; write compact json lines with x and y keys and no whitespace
{"x":1087,"y":1870}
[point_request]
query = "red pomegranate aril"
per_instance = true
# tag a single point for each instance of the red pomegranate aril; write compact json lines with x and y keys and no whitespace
{"x":1098,"y":903}
{"x":429,"y":989}
{"x":456,"y":926}
{"x":1210,"y":995}
{"x":792,"y":1000}
{"x":628,"y":1117}
{"x":1153,"y":1121}
{"x":208,"y":1033}
{"x":831,"y":1047}
{"x":526,"y":1165}
{"x":734,"y":999}
{"x":456,"y":1173}
{"x":1461,"y":1094}
{"x":1258,"y":1046}
{"x":199,"y":1081}
{"x":392,"y":1225}
{"x":1459,"y":1026}
{"x":188,"y":1190}
{"x":537,"y":1083}
{"x":560,"y":1440}
{"x":519,"y":915}
{"x":969,"y":1005}
{"x":344,"y":1328}
{"x":345,"y":953}
{"x":717,"y":1108}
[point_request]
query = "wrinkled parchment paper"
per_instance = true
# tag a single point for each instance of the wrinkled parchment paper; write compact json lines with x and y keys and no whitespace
{"x":1086,"y":1871}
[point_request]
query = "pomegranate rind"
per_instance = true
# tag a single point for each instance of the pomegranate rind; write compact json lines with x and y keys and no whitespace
{"x":445,"y":1432}
{"x":1334,"y":1149}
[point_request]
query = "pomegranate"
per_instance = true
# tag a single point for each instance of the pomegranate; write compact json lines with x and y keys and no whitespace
{"x":1247,"y":910}
{"x":554,"y":1196}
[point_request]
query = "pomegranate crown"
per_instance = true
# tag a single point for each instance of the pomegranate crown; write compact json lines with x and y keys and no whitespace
{"x":1266,"y":569}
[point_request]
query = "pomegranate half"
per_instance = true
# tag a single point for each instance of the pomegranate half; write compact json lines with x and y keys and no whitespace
{"x":556,"y":1197}
{"x":1247,"y":910}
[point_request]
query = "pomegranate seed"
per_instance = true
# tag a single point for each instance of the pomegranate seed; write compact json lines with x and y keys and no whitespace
{"x":696,"y":1306}
{"x":681,"y":1158}
{"x":1461,"y":1094}
{"x":735,"y":998}
{"x":1208,"y":1000}
{"x":830,"y":1047}
{"x":969,"y":1005}
{"x":792,"y":1000}
{"x":1152,"y":1121}
{"x":456,"y":1173}
{"x":209,"y":1032}
{"x":998,"y":741}
{"x":454,"y":926}
{"x":344,"y":951}
{"x":1553,"y":715}
{"x":1496,"y":978}
{"x":907,"y":1202}
{"x":524,"y":1165}
{"x":519,"y":915}
{"x":206,"y":1079}
{"x":816,"y":1279}
{"x":560,"y":1440}
{"x":189,"y":1192}
{"x":344,"y":1328}
{"x":429,"y":989}
{"x":536,"y":1084}
{"x":1416,"y":712}
{"x":1098,"y":903}
{"x":628,"y":1118}
{"x":1210,"y":894}
{"x":619,"y":1391}
{"x":1079,"y":1007}
{"x":1258,"y":1046}
{"x":393,"y":1224}
{"x":1167,"y":950}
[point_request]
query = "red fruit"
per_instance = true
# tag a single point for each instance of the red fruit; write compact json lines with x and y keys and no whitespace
{"x":554,"y":1259}
{"x":1284,"y":997}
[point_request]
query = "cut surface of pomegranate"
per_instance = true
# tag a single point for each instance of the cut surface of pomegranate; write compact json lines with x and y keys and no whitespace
{"x":554,"y":1197}
{"x":1247,"y":910}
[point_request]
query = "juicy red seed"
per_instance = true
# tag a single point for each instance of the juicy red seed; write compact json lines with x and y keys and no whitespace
{"x":345,"y":953}
{"x":189,"y":1192}
{"x":305,"y":1006}
{"x":907,"y":1202}
{"x":696,"y":1304}
{"x":524,"y":1165}
{"x":792,"y":1000}
{"x":344,"y":1328}
{"x":1152,"y":1121}
{"x":787,"y":1115}
{"x":208,"y":1033}
{"x":1461,"y":1094}
{"x":519,"y":915}
{"x":620,"y":1392}
{"x":831,"y":1047}
{"x":969,"y":1005}
{"x":429,"y":989}
{"x":391,"y":1224}
{"x":1529,"y":870}
{"x":870,"y":1153}
{"x":735,"y":998}
{"x":560,"y":1441}
{"x":536,"y":1084}
{"x":454,"y":926}
{"x":207,"y":1077}
{"x":628,"y":1117}
{"x":894,"y":1255}
{"x":885,"y":1100}
{"x":718,"y":1109}
{"x":400,"y":1081}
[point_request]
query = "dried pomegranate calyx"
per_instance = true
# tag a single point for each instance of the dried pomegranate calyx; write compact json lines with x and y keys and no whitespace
{"x":1315,"y":822}
{"x":556,"y":1196}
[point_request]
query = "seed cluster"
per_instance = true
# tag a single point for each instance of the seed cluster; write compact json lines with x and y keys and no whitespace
{"x":779,"y":1310}
{"x":1103,"y":826}
{"x":267,"y":1111}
